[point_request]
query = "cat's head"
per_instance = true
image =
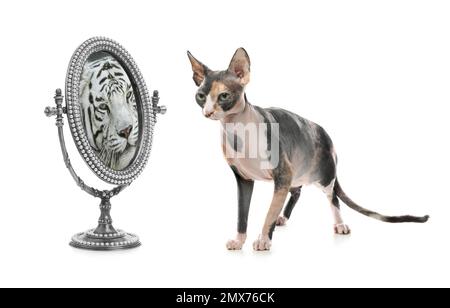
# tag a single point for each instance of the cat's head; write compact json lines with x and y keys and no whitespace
{"x":221,"y":93}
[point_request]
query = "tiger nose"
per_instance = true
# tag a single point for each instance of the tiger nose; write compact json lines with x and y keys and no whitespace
{"x":125,"y":133}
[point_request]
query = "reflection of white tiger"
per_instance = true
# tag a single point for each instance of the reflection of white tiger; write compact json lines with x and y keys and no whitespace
{"x":109,"y":112}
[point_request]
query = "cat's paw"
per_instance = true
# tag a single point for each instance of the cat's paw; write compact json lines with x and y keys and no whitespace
{"x":262,"y":243}
{"x":237,"y":243}
{"x":281,"y":221}
{"x":342,"y":229}
{"x":234,"y":245}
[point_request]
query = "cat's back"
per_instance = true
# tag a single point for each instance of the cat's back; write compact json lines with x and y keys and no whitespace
{"x":291,"y":122}
{"x":286,"y":117}
{"x":292,"y":127}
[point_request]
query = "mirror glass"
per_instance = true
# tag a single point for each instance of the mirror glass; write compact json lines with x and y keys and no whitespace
{"x":109,"y":110}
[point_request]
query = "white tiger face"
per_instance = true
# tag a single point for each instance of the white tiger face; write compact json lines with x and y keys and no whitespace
{"x":110,"y":112}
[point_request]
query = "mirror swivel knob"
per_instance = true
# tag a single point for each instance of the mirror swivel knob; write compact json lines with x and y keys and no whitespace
{"x":50,"y":111}
{"x":161,"y":109}
{"x":155,"y":101}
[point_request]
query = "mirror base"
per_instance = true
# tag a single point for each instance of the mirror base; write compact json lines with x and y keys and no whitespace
{"x":106,"y":241}
{"x":105,"y":237}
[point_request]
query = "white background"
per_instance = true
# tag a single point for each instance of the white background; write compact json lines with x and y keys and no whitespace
{"x":374,"y":74}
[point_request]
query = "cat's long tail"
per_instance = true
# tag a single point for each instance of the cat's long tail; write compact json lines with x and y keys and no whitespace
{"x":392,"y":219}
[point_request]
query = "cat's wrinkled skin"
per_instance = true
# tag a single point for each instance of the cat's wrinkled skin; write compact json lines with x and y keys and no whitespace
{"x":305,"y":151}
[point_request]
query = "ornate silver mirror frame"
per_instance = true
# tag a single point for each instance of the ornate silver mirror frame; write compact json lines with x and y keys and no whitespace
{"x":105,"y":236}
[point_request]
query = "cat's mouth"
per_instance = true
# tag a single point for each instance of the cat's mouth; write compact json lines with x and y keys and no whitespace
{"x":214,"y":116}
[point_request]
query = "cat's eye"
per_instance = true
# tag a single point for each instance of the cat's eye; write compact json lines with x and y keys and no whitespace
{"x":225,"y":96}
{"x":200,"y":97}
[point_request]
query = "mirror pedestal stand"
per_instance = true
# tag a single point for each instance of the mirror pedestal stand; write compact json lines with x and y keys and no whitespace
{"x":105,"y":236}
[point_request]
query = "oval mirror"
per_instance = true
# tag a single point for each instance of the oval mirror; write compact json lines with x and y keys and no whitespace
{"x":110,"y":113}
{"x":111,"y":118}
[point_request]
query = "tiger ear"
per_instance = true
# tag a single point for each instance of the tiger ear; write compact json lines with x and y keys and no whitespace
{"x":199,"y":69}
{"x":240,"y":65}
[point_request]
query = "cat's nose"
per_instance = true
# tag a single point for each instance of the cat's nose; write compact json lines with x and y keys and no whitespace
{"x":125,"y":133}
{"x":209,"y":114}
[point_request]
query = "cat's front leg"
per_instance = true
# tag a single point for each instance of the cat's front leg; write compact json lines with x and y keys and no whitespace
{"x":264,"y":242}
{"x":245,"y":190}
{"x":282,"y":177}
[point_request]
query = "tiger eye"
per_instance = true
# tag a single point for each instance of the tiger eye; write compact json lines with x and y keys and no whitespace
{"x":103,"y":107}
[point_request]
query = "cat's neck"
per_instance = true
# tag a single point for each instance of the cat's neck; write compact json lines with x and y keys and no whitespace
{"x":244,"y":112}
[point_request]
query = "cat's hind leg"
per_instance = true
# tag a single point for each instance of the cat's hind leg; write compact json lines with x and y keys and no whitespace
{"x":295,"y":195}
{"x":339,"y":226}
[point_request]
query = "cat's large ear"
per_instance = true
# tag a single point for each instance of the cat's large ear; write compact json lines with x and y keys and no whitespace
{"x":240,"y":65}
{"x":198,"y":68}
